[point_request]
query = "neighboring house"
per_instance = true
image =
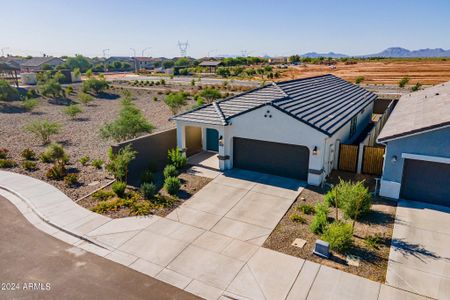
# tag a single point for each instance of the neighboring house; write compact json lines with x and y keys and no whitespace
{"x":278,"y":60}
{"x":210,"y":65}
{"x":144,"y":63}
{"x":417,"y":138}
{"x":286,"y":128}
{"x":122,"y":59}
{"x":35,"y":64}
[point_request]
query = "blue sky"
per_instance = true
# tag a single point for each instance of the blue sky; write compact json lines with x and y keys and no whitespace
{"x":274,"y":27}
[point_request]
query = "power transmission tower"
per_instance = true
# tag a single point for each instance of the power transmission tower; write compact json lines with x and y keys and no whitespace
{"x":183,"y":48}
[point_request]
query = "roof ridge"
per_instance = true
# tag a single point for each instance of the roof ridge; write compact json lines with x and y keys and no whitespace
{"x":220,"y":113}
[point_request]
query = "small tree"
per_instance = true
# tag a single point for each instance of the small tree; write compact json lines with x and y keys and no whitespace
{"x":85,"y":98}
{"x":118,"y":163}
{"x":95,"y":85}
{"x":359,"y":79}
{"x":176,"y":158}
{"x":175,"y":101}
{"x":403,"y":82}
{"x":339,"y":235}
{"x":43,"y":129}
{"x":51,"y":88}
{"x":416,"y":87}
{"x":7,"y":92}
{"x":30,"y":104}
{"x":210,"y":94}
{"x":129,"y":124}
{"x":73,"y":110}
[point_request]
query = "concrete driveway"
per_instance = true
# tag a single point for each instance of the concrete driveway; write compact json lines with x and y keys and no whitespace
{"x":419,"y":259}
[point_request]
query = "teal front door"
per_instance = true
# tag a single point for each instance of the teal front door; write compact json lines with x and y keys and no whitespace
{"x":212,"y":140}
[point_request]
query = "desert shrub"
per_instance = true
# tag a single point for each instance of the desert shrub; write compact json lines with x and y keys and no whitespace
{"x":73,"y":110}
{"x":175,"y":101}
{"x":103,"y":195}
{"x":31,"y":93}
{"x":155,"y":98}
{"x":68,"y":90}
{"x":51,"y":88}
{"x":354,"y":197}
{"x":373,"y":241}
{"x":71,"y":180}
{"x":85,"y":98}
{"x":84,"y":160}
{"x":307,"y":209}
{"x":7,"y":92}
{"x":54,"y":152}
{"x":4,"y":153}
{"x":108,"y":205}
{"x":129,"y":124}
{"x":56,"y":172}
{"x":28,"y":154}
{"x":148,"y":190}
{"x":30,"y":104}
{"x":297,"y":218}
{"x":118,"y":188}
{"x":210,"y":94}
{"x":172,"y":185}
{"x":403,"y":82}
{"x":29,"y":165}
{"x":359,"y":79}
{"x":416,"y":87}
{"x":176,"y":158}
{"x":320,"y":220}
{"x":118,"y":163}
{"x":141,"y":208}
{"x":43,"y":129}
{"x":330,"y":199}
{"x":7,"y":163}
{"x":97,"y":163}
{"x":147,"y":176}
{"x":164,"y":200}
{"x":170,"y":171}
{"x":95,"y":85}
{"x":339,"y":235}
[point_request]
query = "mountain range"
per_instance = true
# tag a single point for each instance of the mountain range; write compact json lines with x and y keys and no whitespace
{"x":394,"y":52}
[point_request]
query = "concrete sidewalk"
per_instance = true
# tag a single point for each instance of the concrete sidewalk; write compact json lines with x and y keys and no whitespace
{"x":208,"y":247}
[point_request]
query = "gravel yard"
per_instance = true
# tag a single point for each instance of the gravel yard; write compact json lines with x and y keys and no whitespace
{"x":79,"y":137}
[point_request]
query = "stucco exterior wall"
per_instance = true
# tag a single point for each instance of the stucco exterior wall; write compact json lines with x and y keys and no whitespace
{"x":432,"y":143}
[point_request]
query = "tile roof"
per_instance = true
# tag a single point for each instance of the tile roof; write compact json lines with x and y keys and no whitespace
{"x":208,"y":63}
{"x":419,"y":111}
{"x":37,"y":61}
{"x":325,"y":103}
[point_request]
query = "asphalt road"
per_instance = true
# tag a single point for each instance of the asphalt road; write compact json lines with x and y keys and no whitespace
{"x":58,"y":271}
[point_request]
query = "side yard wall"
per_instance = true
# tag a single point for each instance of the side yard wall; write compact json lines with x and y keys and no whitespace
{"x":151,"y":150}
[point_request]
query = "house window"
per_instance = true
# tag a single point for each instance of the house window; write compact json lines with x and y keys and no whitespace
{"x":353,"y":123}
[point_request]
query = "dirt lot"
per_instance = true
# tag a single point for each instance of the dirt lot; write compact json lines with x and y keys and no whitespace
{"x":373,"y":262}
{"x":425,"y":71}
{"x":79,"y":137}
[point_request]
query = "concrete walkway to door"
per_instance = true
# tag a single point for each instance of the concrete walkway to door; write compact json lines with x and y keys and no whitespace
{"x":419,"y":259}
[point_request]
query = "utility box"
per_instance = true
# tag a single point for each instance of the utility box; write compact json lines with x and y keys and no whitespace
{"x":322,"y":249}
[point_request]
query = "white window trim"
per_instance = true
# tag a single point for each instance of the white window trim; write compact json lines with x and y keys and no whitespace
{"x":437,"y":159}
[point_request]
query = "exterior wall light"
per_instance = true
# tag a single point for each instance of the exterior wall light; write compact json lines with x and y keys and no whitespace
{"x":315,"y":150}
{"x":221,"y":140}
{"x":394,"y":159}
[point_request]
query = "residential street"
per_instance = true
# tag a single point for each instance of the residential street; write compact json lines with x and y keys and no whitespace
{"x":28,"y":255}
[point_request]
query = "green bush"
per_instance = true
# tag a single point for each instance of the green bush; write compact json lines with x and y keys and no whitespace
{"x":30,"y":104}
{"x":170,"y":171}
{"x":54,"y":152}
{"x":320,"y":220}
{"x":84,"y":160}
{"x":68,"y":90}
{"x":416,"y":87}
{"x":330,"y":199}
{"x":307,"y":209}
{"x":148,"y":190}
{"x":28,"y":154}
{"x":118,"y":188}
{"x":210,"y":94}
{"x":7,"y":163}
{"x":164,"y":200}
{"x":71,"y":180}
{"x":95,"y":85}
{"x":297,"y":218}
{"x":147,"y":176}
{"x":176,"y":158}
{"x":51,"y":88}
{"x":373,"y":241}
{"x":339,"y":235}
{"x":29,"y":165}
{"x":31,"y":93}
{"x":73,"y":110}
{"x":103,"y":195}
{"x":118,"y":163}
{"x":175,"y":101}
{"x":354,"y":197}
{"x":97,"y":163}
{"x":403,"y":82}
{"x":43,"y":129}
{"x":141,"y":208}
{"x":4,"y":153}
{"x":7,"y":92}
{"x":56,"y":172}
{"x":172,"y":185}
{"x":85,"y":98}
{"x":359,"y":79}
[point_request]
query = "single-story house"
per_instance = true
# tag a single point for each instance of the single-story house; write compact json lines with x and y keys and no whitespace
{"x":144,"y":63}
{"x":417,"y":139}
{"x":37,"y":63}
{"x":211,"y":65}
{"x":289,"y":128}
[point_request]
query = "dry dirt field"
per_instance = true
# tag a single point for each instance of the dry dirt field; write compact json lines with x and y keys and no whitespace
{"x":426,"y":71}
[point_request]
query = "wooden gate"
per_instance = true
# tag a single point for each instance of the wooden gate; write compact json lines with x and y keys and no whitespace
{"x":348,"y":157}
{"x":373,"y":160}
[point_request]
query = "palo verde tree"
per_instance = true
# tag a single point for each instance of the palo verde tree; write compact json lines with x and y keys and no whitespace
{"x":175,"y":101}
{"x":210,"y":94}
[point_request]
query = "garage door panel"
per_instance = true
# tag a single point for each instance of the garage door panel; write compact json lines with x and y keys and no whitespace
{"x":272,"y":158}
{"x":426,"y":182}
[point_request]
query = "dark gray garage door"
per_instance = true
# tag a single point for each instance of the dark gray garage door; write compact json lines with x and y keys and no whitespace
{"x":272,"y":158}
{"x":426,"y":182}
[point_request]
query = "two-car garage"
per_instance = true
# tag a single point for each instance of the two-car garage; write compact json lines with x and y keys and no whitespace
{"x":273,"y":158}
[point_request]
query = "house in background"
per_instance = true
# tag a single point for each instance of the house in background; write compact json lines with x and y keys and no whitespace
{"x":290,"y":128}
{"x":35,"y":64}
{"x":417,"y":138}
{"x":210,"y":65}
{"x":144,"y":63}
